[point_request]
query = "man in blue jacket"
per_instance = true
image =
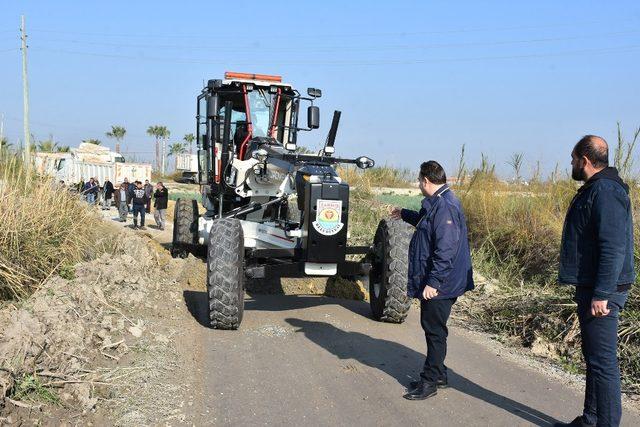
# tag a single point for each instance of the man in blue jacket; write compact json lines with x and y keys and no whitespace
{"x":597,"y":258}
{"x":439,"y":270}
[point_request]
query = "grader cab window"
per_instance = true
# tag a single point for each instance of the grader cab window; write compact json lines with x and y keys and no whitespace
{"x":263,"y":106}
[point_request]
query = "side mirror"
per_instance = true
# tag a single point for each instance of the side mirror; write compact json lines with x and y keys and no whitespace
{"x":213,"y":104}
{"x":313,"y":117}
{"x":314,"y":93}
{"x":365,"y":162}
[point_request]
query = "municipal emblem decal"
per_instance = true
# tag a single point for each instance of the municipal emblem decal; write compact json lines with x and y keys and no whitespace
{"x":328,"y":217}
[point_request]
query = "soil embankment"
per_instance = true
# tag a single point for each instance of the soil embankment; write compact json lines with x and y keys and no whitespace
{"x":105,"y":346}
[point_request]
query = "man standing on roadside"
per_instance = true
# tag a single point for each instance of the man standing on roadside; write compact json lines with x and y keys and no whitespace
{"x":439,"y":270}
{"x":123,"y":198}
{"x":130,"y":187}
{"x":90,"y":191}
{"x":148,"y":189}
{"x":108,"y":193}
{"x":139,"y":202}
{"x":596,"y":257}
{"x":161,"y":197}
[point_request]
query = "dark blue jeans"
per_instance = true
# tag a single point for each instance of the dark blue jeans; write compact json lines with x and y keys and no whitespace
{"x":602,"y":401}
{"x":138,"y":209}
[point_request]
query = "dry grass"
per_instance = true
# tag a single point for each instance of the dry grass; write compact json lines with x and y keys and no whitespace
{"x":515,"y":234}
{"x":382,"y":176}
{"x":44,"y":229}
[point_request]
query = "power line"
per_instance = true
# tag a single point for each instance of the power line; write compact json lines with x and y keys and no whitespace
{"x":332,"y":49}
{"x":346,"y":35}
{"x":616,"y":49}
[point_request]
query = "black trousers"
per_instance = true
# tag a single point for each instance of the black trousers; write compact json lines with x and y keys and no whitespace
{"x":434,"y":315}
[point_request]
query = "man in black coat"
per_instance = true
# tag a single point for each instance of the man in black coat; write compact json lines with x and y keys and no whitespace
{"x":108,"y":194}
{"x":597,"y":258}
{"x":148,"y":189}
{"x":161,"y":200}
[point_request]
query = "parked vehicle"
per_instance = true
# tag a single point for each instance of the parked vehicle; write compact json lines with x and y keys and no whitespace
{"x":187,"y":164}
{"x":90,"y":160}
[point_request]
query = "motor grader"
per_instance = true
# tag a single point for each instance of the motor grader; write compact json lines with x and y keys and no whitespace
{"x":272,"y":211}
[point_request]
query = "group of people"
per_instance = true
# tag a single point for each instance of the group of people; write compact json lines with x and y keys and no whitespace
{"x":134,"y":197}
{"x":596,"y":257}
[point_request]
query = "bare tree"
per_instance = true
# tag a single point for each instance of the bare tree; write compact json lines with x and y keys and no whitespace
{"x":516,"y":162}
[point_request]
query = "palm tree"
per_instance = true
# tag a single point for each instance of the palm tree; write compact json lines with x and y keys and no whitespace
{"x":155,"y":132}
{"x":189,"y":138}
{"x":117,"y":132}
{"x":177,"y":148}
{"x":92,"y":141}
{"x":47,"y":146}
{"x":63,"y":149}
{"x":159,"y":133}
{"x":164,"y":134}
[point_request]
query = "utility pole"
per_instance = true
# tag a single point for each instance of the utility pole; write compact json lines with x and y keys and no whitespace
{"x":25,"y":95}
{"x":1,"y":134}
{"x":164,"y":154}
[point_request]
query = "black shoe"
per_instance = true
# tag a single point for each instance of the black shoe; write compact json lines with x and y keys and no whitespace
{"x":578,"y":422}
{"x":423,"y":391}
{"x":443,"y":383}
{"x":142,"y":227}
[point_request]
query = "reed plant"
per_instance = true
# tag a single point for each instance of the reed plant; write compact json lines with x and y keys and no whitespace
{"x":44,"y":229}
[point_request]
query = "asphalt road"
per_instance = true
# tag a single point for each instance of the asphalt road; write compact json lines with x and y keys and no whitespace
{"x":311,"y":360}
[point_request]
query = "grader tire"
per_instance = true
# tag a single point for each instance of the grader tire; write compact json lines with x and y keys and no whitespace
{"x":388,"y":276}
{"x":185,"y":228}
{"x":225,"y":274}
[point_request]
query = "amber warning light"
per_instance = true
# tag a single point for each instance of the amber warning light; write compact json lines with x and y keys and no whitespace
{"x":247,"y":76}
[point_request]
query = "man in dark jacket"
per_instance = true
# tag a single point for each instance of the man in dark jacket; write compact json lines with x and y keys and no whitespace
{"x":139,"y":202}
{"x":90,"y":191}
{"x":597,"y":258}
{"x":161,"y":197}
{"x":439,"y":270}
{"x":148,"y":189}
{"x":108,"y":193}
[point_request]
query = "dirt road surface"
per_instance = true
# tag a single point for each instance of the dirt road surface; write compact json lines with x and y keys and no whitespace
{"x":315,"y":360}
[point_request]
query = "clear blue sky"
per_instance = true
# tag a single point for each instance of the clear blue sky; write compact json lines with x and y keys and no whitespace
{"x":414,"y":80}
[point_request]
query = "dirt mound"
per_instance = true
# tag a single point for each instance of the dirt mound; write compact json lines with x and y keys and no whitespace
{"x":71,"y":343}
{"x":337,"y":287}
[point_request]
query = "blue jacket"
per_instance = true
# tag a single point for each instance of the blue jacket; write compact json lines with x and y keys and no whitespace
{"x":90,"y":188}
{"x":597,"y":239}
{"x":439,"y":253}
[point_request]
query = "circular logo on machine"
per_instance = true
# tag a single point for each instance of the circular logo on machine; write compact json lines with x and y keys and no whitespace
{"x":328,"y":217}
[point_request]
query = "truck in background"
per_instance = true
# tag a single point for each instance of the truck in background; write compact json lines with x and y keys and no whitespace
{"x":87,"y":161}
{"x":187,"y":164}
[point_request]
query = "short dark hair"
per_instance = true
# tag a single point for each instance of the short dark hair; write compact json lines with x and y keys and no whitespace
{"x":593,"y":148}
{"x":433,"y":172}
